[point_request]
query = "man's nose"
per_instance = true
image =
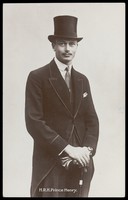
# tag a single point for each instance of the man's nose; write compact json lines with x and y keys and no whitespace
{"x":67,"y":47}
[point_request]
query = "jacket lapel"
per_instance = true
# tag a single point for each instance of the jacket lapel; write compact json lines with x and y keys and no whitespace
{"x":59,"y":86}
{"x":78,"y":90}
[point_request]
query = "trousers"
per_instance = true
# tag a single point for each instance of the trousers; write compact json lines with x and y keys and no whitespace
{"x":63,"y":183}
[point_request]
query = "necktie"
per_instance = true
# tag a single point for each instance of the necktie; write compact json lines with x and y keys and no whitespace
{"x":67,"y":77}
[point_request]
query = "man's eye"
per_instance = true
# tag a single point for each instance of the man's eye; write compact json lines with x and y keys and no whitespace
{"x":61,"y":43}
{"x":71,"y":43}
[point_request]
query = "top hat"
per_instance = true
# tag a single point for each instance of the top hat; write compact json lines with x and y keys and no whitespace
{"x":65,"y":27}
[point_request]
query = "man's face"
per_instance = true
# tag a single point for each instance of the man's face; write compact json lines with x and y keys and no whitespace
{"x":65,"y":50}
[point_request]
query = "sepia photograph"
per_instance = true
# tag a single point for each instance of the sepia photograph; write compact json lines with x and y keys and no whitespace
{"x":63,"y":100}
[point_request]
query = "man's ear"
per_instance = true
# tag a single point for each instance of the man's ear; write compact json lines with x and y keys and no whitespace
{"x":53,"y":46}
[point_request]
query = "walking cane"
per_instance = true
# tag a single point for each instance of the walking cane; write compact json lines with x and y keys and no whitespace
{"x":81,"y":181}
{"x":83,"y":169}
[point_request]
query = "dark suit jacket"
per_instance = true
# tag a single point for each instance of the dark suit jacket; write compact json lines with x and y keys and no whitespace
{"x":50,"y":120}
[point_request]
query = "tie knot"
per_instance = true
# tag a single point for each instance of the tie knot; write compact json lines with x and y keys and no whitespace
{"x":67,"y":69}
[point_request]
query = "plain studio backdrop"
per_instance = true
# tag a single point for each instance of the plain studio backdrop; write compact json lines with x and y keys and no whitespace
{"x":100,"y":56}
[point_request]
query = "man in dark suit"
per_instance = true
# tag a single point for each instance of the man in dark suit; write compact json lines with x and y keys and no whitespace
{"x":61,"y":118}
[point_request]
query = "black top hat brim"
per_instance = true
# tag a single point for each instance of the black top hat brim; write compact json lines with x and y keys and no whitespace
{"x":53,"y":38}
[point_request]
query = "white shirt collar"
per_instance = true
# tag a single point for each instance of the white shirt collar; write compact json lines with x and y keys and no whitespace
{"x":62,"y":66}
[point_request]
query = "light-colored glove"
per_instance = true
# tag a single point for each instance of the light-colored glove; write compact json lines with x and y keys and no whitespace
{"x":65,"y":161}
{"x":80,"y":154}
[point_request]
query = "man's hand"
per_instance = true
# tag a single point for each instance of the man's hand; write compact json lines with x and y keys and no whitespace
{"x":80,"y":154}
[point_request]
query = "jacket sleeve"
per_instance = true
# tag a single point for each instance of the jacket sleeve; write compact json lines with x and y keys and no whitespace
{"x":34,"y":116}
{"x":91,"y":122}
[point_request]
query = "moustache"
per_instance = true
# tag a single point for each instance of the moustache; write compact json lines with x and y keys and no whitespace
{"x":67,"y":54}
